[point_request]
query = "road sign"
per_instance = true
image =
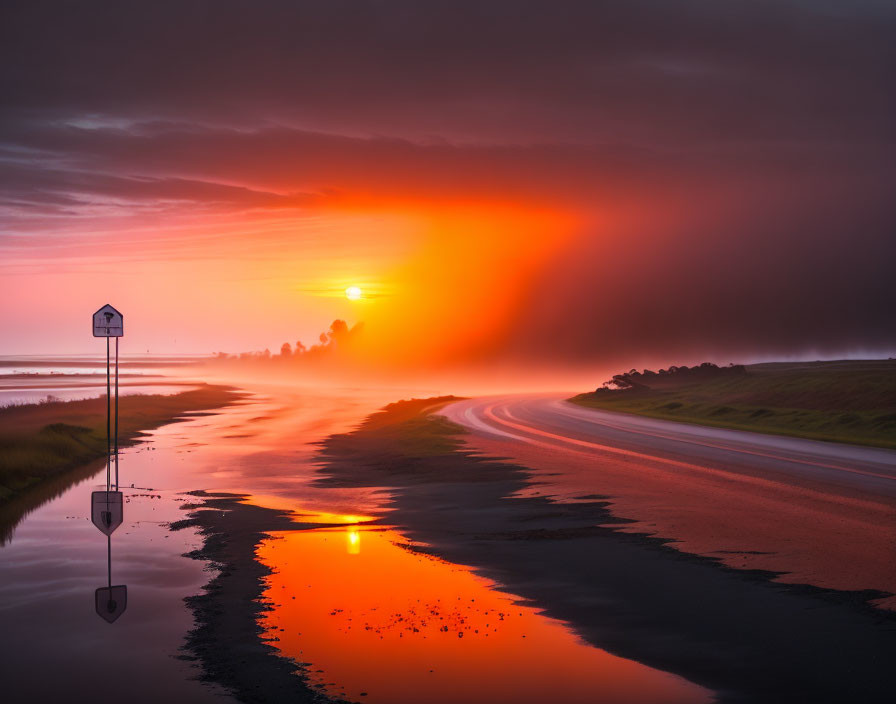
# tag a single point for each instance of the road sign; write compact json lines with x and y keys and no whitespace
{"x":108,"y":322}
{"x":111,"y":601}
{"x":106,"y":510}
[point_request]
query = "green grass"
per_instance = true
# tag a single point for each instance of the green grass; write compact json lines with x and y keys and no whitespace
{"x":844,"y":401}
{"x":41,"y":441}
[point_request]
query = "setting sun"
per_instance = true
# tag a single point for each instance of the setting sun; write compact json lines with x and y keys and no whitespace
{"x":353,"y":293}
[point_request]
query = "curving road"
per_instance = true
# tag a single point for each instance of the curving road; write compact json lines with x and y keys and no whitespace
{"x":818,"y":513}
{"x":552,"y":423}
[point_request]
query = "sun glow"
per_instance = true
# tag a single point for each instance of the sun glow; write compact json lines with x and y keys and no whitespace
{"x":353,"y":293}
{"x":353,"y":539}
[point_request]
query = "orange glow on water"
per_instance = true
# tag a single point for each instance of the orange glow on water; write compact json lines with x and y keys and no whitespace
{"x":380,"y":619}
{"x":353,"y":540}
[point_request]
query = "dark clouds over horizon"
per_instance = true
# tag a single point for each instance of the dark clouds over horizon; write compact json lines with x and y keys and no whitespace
{"x":749,"y":146}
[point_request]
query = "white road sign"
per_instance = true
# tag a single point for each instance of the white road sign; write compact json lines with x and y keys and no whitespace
{"x":108,"y":322}
{"x":106,"y":510}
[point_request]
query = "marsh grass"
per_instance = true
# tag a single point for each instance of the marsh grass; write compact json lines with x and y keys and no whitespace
{"x":42,"y":440}
{"x":846,"y":401}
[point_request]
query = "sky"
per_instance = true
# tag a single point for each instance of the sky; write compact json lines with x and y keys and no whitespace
{"x":539,"y":184}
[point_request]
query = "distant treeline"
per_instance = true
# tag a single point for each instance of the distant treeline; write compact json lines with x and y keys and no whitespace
{"x":339,"y":337}
{"x":646,"y":379}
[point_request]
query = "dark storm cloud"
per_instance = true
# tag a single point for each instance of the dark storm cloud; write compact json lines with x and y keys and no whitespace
{"x":575,"y":70}
{"x":65,"y":157}
{"x":758,"y":138}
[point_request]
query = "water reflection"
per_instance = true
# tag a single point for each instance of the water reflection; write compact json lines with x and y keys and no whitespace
{"x":389,"y":623}
{"x":107,"y":514}
{"x":16,"y":510}
{"x":353,"y":538}
{"x":111,"y":601}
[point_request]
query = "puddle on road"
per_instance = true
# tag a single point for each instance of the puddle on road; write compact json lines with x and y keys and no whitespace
{"x":376,"y":621}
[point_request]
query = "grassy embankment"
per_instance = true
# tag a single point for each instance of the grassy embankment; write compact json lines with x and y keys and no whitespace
{"x":41,"y":441}
{"x":845,"y":401}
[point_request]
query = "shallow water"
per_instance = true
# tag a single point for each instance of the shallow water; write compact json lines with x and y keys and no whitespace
{"x":374,"y":619}
{"x":369,"y":616}
{"x":32,"y":379}
{"x":18,"y":391}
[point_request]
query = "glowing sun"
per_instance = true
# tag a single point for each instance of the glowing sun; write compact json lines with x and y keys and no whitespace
{"x":353,"y":293}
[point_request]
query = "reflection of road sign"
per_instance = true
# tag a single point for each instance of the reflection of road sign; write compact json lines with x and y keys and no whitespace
{"x":108,"y":322}
{"x":106,"y":510}
{"x":111,"y":601}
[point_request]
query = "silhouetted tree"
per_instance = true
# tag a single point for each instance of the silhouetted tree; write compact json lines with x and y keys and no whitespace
{"x":634,"y":379}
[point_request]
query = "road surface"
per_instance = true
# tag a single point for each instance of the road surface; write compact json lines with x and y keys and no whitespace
{"x":823,"y":513}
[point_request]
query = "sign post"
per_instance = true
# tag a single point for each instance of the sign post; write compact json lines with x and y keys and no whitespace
{"x":108,"y":323}
{"x":107,"y":507}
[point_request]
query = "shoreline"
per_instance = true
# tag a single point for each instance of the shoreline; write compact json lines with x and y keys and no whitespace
{"x":48,"y":447}
{"x":226,"y":640}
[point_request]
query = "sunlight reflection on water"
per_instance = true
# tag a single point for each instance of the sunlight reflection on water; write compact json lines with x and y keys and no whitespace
{"x":372,"y":616}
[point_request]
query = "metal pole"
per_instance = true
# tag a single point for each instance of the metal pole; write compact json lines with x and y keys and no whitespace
{"x":109,"y":563}
{"x":116,"y":414}
{"x":108,"y":419}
